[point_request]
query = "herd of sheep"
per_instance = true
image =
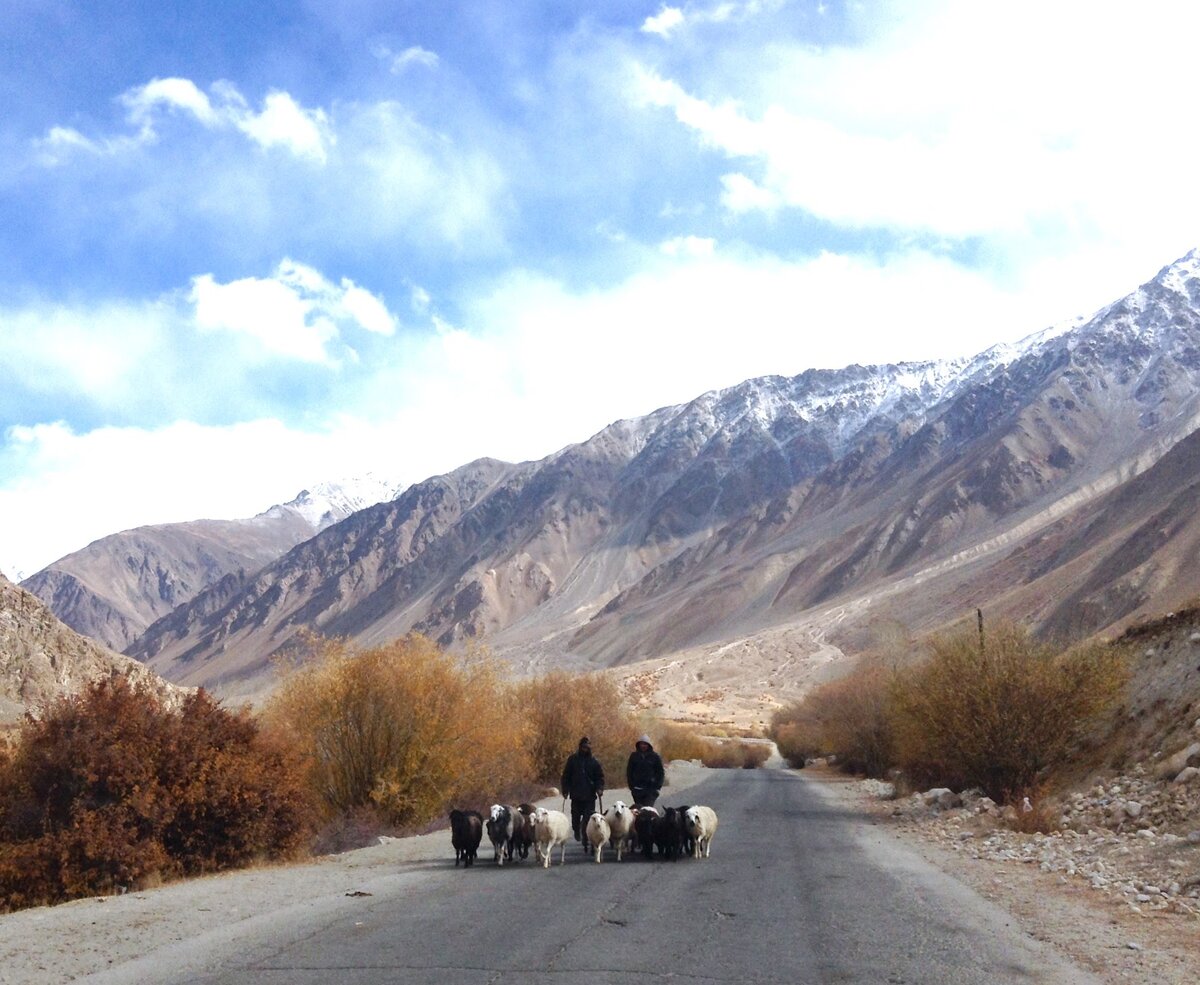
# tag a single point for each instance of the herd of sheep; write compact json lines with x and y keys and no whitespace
{"x":513,"y":831}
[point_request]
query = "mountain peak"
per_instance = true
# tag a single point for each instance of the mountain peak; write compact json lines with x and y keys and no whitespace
{"x":1178,"y":276}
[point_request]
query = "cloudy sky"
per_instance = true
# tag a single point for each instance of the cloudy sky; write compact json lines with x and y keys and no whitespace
{"x":247,"y":247}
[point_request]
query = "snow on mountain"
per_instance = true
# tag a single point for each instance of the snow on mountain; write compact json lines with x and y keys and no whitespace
{"x":325,"y":503}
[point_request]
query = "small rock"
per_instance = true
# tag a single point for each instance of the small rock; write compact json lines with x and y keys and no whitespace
{"x":1187,"y":774}
{"x":1132,"y":946}
{"x":943,"y":798}
{"x":1132,"y":809}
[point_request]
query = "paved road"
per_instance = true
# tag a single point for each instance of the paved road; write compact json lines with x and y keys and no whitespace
{"x":796,"y":892}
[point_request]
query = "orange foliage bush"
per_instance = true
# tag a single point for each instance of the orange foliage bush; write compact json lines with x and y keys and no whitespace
{"x":110,"y":789}
{"x":560,"y":708}
{"x":404,"y":727}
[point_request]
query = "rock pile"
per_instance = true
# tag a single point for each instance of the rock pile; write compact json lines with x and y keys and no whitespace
{"x":1134,"y":837}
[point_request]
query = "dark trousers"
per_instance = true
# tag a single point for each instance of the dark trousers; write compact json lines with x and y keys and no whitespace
{"x":644,"y":796}
{"x":581,"y":810}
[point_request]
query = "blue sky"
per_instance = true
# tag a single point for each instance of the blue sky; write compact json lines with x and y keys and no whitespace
{"x":247,"y":247}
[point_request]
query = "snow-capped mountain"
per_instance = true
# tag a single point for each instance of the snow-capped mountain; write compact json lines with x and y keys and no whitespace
{"x":902,"y":492}
{"x":328,"y":502}
{"x":115,"y":587}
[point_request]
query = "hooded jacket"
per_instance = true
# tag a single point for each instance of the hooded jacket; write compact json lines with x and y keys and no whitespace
{"x":644,"y":770}
{"x":583,"y":776}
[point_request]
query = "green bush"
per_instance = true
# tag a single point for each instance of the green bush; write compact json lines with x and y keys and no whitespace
{"x":109,"y":789}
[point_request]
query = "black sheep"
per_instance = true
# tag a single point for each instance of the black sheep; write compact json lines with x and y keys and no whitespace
{"x":466,"y":832}
{"x":688,"y":845}
{"x":643,"y":828}
{"x":668,"y":833}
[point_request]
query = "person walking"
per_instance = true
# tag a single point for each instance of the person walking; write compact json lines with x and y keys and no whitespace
{"x":644,"y":773}
{"x":583,"y":782}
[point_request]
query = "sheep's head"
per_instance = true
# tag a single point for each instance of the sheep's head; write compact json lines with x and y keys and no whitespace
{"x":618,"y":808}
{"x":497,"y":810}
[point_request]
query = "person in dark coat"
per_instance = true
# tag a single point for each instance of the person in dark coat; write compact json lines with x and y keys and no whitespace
{"x":583,"y":782}
{"x":644,"y":773}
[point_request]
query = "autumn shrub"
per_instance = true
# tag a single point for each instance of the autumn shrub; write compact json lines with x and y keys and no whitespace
{"x":676,"y":741}
{"x":109,"y":788}
{"x":734,"y":754}
{"x":404,"y":728}
{"x":849,"y":718}
{"x":560,"y":708}
{"x":1001,"y":716}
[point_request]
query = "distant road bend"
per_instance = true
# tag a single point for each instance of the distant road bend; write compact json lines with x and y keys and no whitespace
{"x":797,"y":891}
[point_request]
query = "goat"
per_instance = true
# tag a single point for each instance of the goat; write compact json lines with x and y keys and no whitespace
{"x":466,"y":832}
{"x":701,"y":823}
{"x":598,"y":833}
{"x":522,"y":839}
{"x":667,"y":832}
{"x":687,"y":845}
{"x":500,"y":830}
{"x":550,"y":828}
{"x":620,"y":824}
{"x":643,"y":828}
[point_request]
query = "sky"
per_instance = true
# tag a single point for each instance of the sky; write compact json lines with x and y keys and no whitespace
{"x":245,"y":248}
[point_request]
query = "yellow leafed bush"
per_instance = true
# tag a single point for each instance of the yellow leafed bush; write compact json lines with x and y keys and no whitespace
{"x":1001,"y":716}
{"x":561,"y":708}
{"x":404,"y":727}
{"x":849,"y":718}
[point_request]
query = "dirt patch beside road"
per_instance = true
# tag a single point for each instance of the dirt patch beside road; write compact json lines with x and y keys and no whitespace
{"x":1100,"y":929}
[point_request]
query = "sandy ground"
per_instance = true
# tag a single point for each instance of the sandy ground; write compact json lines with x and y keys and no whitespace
{"x":97,"y":935}
{"x":1099,"y":934}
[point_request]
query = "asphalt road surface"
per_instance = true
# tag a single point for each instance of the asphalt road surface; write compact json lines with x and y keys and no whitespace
{"x":796,"y":892}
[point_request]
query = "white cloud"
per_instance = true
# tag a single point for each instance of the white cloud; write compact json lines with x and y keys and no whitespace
{"x":664,"y":22}
{"x":77,"y":487}
{"x":296,"y":313}
{"x":1049,"y":129}
{"x":694,"y":246}
{"x":400,"y":62}
{"x":97,"y":352}
{"x":143,"y":101}
{"x":670,"y":19}
{"x":282,"y":122}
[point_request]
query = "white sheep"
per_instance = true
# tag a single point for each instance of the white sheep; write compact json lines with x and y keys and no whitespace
{"x":550,"y":828}
{"x":701,"y":824}
{"x":598,"y":833}
{"x":620,"y":824}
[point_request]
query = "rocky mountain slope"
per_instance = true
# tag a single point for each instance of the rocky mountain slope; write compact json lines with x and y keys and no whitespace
{"x":115,"y":587}
{"x":786,"y":515}
{"x":41,"y":659}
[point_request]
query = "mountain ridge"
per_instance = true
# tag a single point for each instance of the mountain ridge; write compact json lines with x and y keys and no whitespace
{"x":737,"y":511}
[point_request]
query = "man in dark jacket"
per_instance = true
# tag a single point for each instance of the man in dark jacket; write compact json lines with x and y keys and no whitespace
{"x":644,"y":773}
{"x":583,"y":782}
